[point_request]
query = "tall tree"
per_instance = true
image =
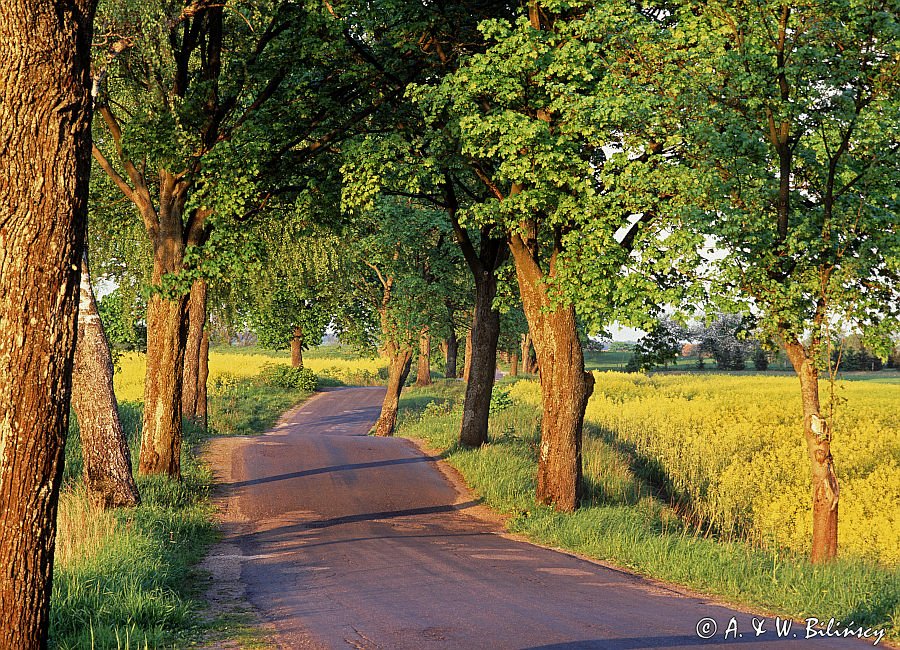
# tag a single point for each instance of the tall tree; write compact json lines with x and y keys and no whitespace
{"x":794,"y":129}
{"x":45,"y":111}
{"x":401,"y":265}
{"x":572,"y":186}
{"x":107,"y":471}
{"x":484,"y":253}
{"x":200,"y":108}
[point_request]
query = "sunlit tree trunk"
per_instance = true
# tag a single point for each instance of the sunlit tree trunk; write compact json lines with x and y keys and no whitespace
{"x":423,"y":371}
{"x":45,"y":120}
{"x":107,"y":460}
{"x":297,"y":348}
{"x":817,"y":433}
{"x":166,"y":338}
{"x":399,"y":363}
{"x":202,"y":403}
{"x":192,"y":392}
{"x":514,"y":364}
{"x":467,"y":364}
{"x":565,"y":386}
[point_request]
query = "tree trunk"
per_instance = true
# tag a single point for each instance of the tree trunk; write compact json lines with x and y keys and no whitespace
{"x":190,"y":398}
{"x":528,"y":359}
{"x":161,"y":439}
{"x":467,"y":367}
{"x":481,"y":362}
{"x":202,"y":404}
{"x":107,"y":460}
{"x":565,"y":386}
{"x":423,"y":372}
{"x":297,"y":348}
{"x":399,"y":362}
{"x":452,"y":356}
{"x":514,"y":364}
{"x":565,"y":389}
{"x":45,"y":121}
{"x":817,"y":432}
{"x":166,"y":337}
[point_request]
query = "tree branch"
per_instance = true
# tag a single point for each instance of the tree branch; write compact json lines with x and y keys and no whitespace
{"x":116,"y":178}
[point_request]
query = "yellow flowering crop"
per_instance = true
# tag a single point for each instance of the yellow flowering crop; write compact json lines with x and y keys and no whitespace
{"x":733,"y":451}
{"x":129,"y":380}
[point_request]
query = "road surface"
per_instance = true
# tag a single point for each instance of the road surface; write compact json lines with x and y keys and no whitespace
{"x":340,"y":540}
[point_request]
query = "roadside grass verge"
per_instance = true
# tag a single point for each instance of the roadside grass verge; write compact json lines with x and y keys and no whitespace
{"x":623,"y":521}
{"x":128,"y":578}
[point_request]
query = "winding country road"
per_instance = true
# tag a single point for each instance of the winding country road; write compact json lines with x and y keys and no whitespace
{"x":342,"y":540}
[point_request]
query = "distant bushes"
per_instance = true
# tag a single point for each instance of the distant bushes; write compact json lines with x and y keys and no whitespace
{"x":349,"y":376}
{"x":283,"y":376}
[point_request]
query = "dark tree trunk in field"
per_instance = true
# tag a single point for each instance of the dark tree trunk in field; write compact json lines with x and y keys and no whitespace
{"x":192,"y":393}
{"x":817,"y":432}
{"x":45,"y":157}
{"x":481,"y":357}
{"x":107,"y":460}
{"x":423,"y":371}
{"x":565,"y":386}
{"x":399,"y":362}
{"x":514,"y":364}
{"x":452,"y":355}
{"x":481,"y":342}
{"x":467,"y":365}
{"x":297,"y":348}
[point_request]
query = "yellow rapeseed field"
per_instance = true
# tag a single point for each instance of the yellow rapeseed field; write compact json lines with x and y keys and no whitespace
{"x":732,"y":447}
{"x":129,"y":380}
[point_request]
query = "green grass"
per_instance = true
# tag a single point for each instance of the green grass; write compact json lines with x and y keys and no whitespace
{"x":622,"y":521}
{"x":128,"y":579}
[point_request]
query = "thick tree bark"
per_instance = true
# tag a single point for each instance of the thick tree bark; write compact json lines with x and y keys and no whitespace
{"x":192,"y":392}
{"x":297,"y":348}
{"x":481,"y":361}
{"x":467,"y":365}
{"x":452,"y":355}
{"x":399,"y":363}
{"x":162,"y":428}
{"x":166,"y":338}
{"x":107,"y":461}
{"x":817,"y":433}
{"x":45,"y":148}
{"x":423,"y":370}
{"x":514,"y":364}
{"x":565,"y":386}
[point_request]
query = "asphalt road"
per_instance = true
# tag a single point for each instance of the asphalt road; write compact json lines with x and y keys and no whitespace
{"x":342,"y":540}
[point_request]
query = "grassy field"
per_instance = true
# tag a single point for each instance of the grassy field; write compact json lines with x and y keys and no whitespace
{"x":625,"y":520}
{"x":127,"y":579}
